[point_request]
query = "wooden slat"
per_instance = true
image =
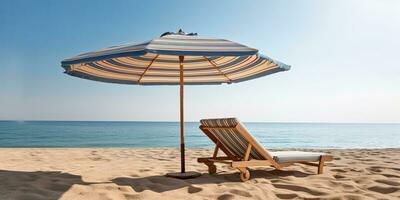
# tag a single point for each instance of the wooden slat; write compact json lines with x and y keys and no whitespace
{"x":208,"y":159}
{"x":251,"y":163}
{"x":220,"y":128}
{"x":221,"y":161}
{"x":309,"y":163}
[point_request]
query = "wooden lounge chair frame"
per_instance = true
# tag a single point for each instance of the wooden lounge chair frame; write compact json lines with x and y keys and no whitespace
{"x":242,"y":163}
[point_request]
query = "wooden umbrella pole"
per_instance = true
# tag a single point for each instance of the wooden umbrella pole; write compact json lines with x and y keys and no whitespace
{"x":181,"y":83}
{"x":183,"y":174}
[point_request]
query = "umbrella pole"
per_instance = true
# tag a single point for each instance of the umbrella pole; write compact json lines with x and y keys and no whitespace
{"x":181,"y":81}
{"x":183,"y":174}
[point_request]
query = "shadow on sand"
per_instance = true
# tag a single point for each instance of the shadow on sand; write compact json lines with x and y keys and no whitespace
{"x":53,"y":184}
{"x":161,"y":184}
{"x":36,"y":185}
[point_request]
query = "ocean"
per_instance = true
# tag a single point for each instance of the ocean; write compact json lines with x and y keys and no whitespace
{"x":166,"y":134}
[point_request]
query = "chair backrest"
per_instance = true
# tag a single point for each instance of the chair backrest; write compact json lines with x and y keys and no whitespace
{"x":235,"y":138}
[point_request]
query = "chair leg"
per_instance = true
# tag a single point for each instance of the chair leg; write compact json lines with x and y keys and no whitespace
{"x":244,"y":174}
{"x":321,"y":165}
{"x":212,"y":168}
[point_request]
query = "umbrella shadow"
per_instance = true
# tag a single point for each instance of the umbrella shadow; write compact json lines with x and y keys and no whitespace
{"x":162,"y":183}
{"x":37,"y":184}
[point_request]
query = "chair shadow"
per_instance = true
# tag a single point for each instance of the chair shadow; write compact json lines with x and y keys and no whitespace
{"x":37,"y":184}
{"x":162,"y":183}
{"x":53,"y":184}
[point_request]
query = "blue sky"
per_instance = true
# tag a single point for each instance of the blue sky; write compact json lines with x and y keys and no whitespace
{"x":344,"y":57}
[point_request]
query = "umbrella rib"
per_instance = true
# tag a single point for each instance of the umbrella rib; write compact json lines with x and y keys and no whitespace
{"x":147,"y":68}
{"x":215,"y":65}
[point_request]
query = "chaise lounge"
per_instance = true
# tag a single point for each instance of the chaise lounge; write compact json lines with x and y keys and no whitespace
{"x":242,"y":150}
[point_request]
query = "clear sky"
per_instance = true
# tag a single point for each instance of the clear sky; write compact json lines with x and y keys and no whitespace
{"x":345,"y":58}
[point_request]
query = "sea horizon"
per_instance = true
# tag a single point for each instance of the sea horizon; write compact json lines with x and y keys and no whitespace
{"x":167,"y":121}
{"x":275,"y":135}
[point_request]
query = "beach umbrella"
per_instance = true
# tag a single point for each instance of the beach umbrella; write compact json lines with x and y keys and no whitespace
{"x":174,"y":59}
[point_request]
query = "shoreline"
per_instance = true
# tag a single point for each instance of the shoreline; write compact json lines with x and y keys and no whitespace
{"x":139,"y":173}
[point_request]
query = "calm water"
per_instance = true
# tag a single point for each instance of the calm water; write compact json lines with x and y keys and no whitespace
{"x":166,"y":134}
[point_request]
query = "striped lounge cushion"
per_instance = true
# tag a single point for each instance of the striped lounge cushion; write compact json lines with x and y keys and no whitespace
{"x":230,"y":137}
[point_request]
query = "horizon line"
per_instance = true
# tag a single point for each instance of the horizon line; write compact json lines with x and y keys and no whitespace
{"x":167,"y":121}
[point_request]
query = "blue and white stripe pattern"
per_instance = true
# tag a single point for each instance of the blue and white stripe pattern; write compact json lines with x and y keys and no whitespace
{"x":156,"y":62}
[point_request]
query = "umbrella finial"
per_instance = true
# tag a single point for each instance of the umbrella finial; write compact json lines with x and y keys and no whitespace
{"x":180,"y":32}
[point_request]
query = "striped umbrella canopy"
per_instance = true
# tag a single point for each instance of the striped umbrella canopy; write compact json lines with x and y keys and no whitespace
{"x":174,"y":59}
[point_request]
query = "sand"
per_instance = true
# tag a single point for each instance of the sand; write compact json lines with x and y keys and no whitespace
{"x":117,"y":173}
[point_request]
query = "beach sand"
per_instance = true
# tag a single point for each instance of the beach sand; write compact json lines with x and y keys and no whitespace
{"x":138,"y":173}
